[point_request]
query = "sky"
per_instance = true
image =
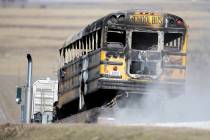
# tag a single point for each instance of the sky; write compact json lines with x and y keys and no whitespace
{"x":107,"y":0}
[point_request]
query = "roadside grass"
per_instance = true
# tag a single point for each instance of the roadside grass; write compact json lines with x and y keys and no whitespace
{"x":97,"y":132}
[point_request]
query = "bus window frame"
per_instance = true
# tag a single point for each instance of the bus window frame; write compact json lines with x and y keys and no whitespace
{"x":120,"y":43}
{"x":130,"y":47}
{"x":146,"y":31}
{"x":181,"y":43}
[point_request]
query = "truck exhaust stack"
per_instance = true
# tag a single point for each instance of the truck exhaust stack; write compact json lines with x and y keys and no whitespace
{"x":29,"y":90}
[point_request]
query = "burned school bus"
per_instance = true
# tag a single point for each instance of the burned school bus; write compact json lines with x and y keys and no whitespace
{"x":130,"y":52}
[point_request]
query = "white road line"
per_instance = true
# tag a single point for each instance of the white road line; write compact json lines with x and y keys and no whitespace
{"x":197,"y":125}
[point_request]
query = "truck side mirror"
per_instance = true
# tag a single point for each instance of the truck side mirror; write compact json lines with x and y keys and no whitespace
{"x":18,"y":95}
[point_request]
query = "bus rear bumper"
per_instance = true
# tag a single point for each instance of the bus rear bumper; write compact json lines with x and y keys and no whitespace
{"x":142,"y":87}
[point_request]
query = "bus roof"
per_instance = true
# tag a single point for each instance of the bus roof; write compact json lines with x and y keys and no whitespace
{"x":135,"y":18}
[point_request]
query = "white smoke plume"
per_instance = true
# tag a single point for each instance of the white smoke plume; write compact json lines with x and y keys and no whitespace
{"x":191,"y":106}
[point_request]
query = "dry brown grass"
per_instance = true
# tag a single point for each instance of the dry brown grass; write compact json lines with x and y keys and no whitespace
{"x":97,"y":11}
{"x":40,"y":32}
{"x":98,"y":132}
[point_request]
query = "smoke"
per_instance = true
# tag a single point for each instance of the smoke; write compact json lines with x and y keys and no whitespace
{"x":161,"y":107}
{"x":191,"y":106}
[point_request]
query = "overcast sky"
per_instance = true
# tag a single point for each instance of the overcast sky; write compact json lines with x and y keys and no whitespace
{"x":73,"y":0}
{"x":99,"y":0}
{"x":104,"y":1}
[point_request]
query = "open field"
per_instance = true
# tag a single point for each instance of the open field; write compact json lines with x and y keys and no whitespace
{"x":98,"y":132}
{"x":43,"y":31}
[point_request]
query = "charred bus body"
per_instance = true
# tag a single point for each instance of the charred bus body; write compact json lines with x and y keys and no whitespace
{"x":132,"y":52}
